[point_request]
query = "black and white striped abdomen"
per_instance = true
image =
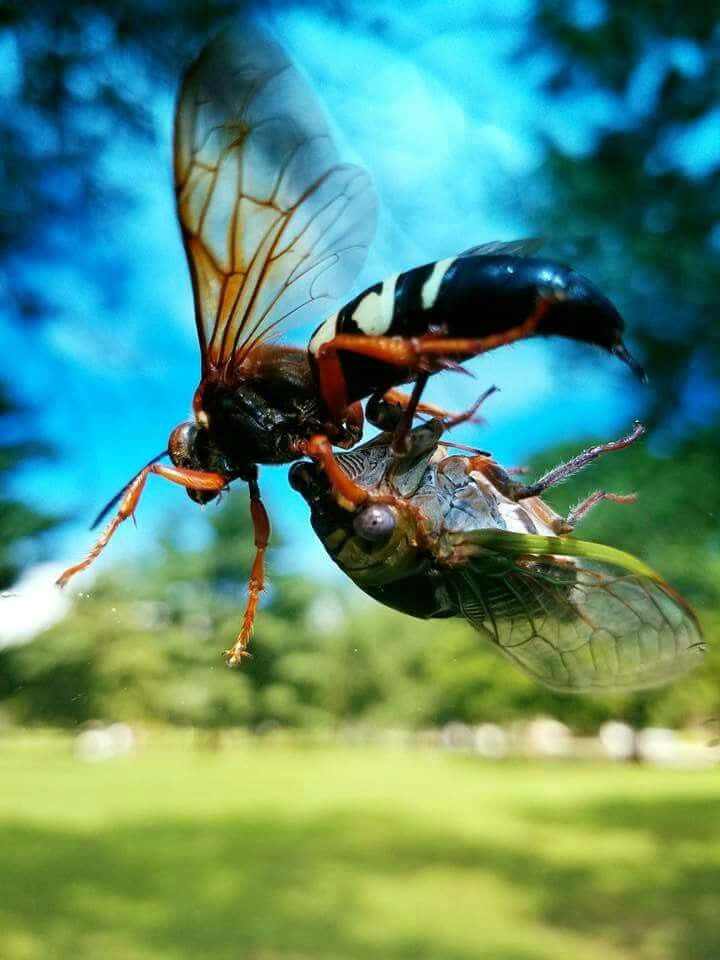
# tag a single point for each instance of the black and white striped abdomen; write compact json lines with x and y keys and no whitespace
{"x":401,"y":305}
{"x":468,"y":296}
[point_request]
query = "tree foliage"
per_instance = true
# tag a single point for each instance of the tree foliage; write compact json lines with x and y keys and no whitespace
{"x":19,"y":523}
{"x":645,"y":192}
{"x":146,"y":646}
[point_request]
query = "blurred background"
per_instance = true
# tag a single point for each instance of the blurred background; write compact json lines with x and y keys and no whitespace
{"x":343,"y":795}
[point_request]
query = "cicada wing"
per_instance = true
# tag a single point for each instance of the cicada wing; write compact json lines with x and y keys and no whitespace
{"x":273,"y":224}
{"x":577,"y":616}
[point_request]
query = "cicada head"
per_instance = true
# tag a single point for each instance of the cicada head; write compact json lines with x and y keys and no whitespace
{"x":373,"y":544}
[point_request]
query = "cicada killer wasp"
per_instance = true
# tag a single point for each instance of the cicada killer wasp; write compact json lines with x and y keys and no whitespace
{"x":275,"y":227}
{"x":436,"y":534}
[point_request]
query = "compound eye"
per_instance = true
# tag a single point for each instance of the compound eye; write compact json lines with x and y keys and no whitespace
{"x":181,"y":445}
{"x":375,"y":524}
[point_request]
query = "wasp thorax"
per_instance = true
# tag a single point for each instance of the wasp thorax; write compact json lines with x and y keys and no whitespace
{"x":375,"y":523}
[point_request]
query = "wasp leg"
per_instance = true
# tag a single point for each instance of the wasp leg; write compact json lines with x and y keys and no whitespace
{"x":256,"y":582}
{"x":429,"y":353}
{"x":354,"y":423}
{"x":349,"y":495}
{"x":397,"y":401}
{"x":565,"y":470}
{"x":388,"y":410}
{"x":455,"y":419}
{"x":192,"y":479}
{"x":400,"y":441}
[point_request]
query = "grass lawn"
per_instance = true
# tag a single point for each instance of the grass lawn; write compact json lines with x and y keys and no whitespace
{"x":282,"y":852}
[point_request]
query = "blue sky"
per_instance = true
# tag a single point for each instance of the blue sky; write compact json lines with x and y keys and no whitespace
{"x":431,"y":104}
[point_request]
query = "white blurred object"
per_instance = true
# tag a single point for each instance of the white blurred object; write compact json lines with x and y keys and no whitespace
{"x":32,"y":605}
{"x":457,"y":736}
{"x":546,"y":737}
{"x":491,"y":741}
{"x":617,"y":739}
{"x":104,"y":743}
{"x":325,"y":614}
{"x":663,"y":747}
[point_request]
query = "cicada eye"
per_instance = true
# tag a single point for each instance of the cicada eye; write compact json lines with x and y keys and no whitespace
{"x":181,"y":445}
{"x":375,"y":523}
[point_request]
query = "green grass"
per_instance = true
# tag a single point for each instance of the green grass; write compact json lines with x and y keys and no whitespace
{"x":291,"y":852}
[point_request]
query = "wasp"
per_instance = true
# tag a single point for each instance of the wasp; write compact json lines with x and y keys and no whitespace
{"x":436,"y":534}
{"x":275,"y":228}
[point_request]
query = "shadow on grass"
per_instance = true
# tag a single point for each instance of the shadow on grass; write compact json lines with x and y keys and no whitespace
{"x":675,"y":899}
{"x":270,"y":889}
{"x":251,"y":890}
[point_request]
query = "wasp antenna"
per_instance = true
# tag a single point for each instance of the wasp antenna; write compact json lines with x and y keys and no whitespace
{"x":118,"y":496}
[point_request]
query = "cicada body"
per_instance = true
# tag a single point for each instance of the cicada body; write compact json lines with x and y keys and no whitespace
{"x":441,"y":535}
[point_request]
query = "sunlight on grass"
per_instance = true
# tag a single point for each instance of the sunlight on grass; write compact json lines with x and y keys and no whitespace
{"x":275,"y":851}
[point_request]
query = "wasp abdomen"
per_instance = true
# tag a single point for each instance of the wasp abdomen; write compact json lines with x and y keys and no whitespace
{"x":475,"y":296}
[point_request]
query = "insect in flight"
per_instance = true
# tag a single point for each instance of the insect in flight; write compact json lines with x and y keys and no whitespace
{"x":275,"y":227}
{"x":437,"y":535}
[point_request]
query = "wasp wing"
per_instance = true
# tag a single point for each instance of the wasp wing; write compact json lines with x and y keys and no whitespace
{"x":272,"y":222}
{"x":510,"y":248}
{"x":575,"y":615}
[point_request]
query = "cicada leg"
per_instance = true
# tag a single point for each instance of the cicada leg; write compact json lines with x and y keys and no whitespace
{"x":581,"y":510}
{"x":565,"y":470}
{"x":192,"y":479}
{"x":516,"y":491}
{"x":256,"y":581}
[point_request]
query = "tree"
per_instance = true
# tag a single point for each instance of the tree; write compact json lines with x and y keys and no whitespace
{"x":20,"y":524}
{"x":646,"y":189}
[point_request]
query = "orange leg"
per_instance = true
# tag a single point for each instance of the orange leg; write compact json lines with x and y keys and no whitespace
{"x":449,"y":417}
{"x":256,"y":583}
{"x":427,"y":352}
{"x":348,"y":494}
{"x":455,"y":419}
{"x":354,"y":418}
{"x":193,"y":479}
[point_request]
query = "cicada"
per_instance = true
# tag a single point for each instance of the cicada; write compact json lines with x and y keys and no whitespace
{"x":275,"y":228}
{"x":436,"y":534}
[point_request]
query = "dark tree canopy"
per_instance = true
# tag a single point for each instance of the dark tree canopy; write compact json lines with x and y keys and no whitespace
{"x":648,"y":188}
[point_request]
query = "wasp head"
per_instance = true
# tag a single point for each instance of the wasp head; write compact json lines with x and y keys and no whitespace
{"x":190,"y":446}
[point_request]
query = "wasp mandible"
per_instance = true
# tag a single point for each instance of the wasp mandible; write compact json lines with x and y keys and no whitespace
{"x":276,"y":227}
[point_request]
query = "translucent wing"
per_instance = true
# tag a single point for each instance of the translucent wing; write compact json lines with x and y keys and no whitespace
{"x":576,"y":615}
{"x":511,"y":248}
{"x":272,"y":222}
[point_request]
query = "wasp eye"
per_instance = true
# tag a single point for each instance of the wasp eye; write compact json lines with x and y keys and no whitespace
{"x":375,"y":523}
{"x":181,"y":445}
